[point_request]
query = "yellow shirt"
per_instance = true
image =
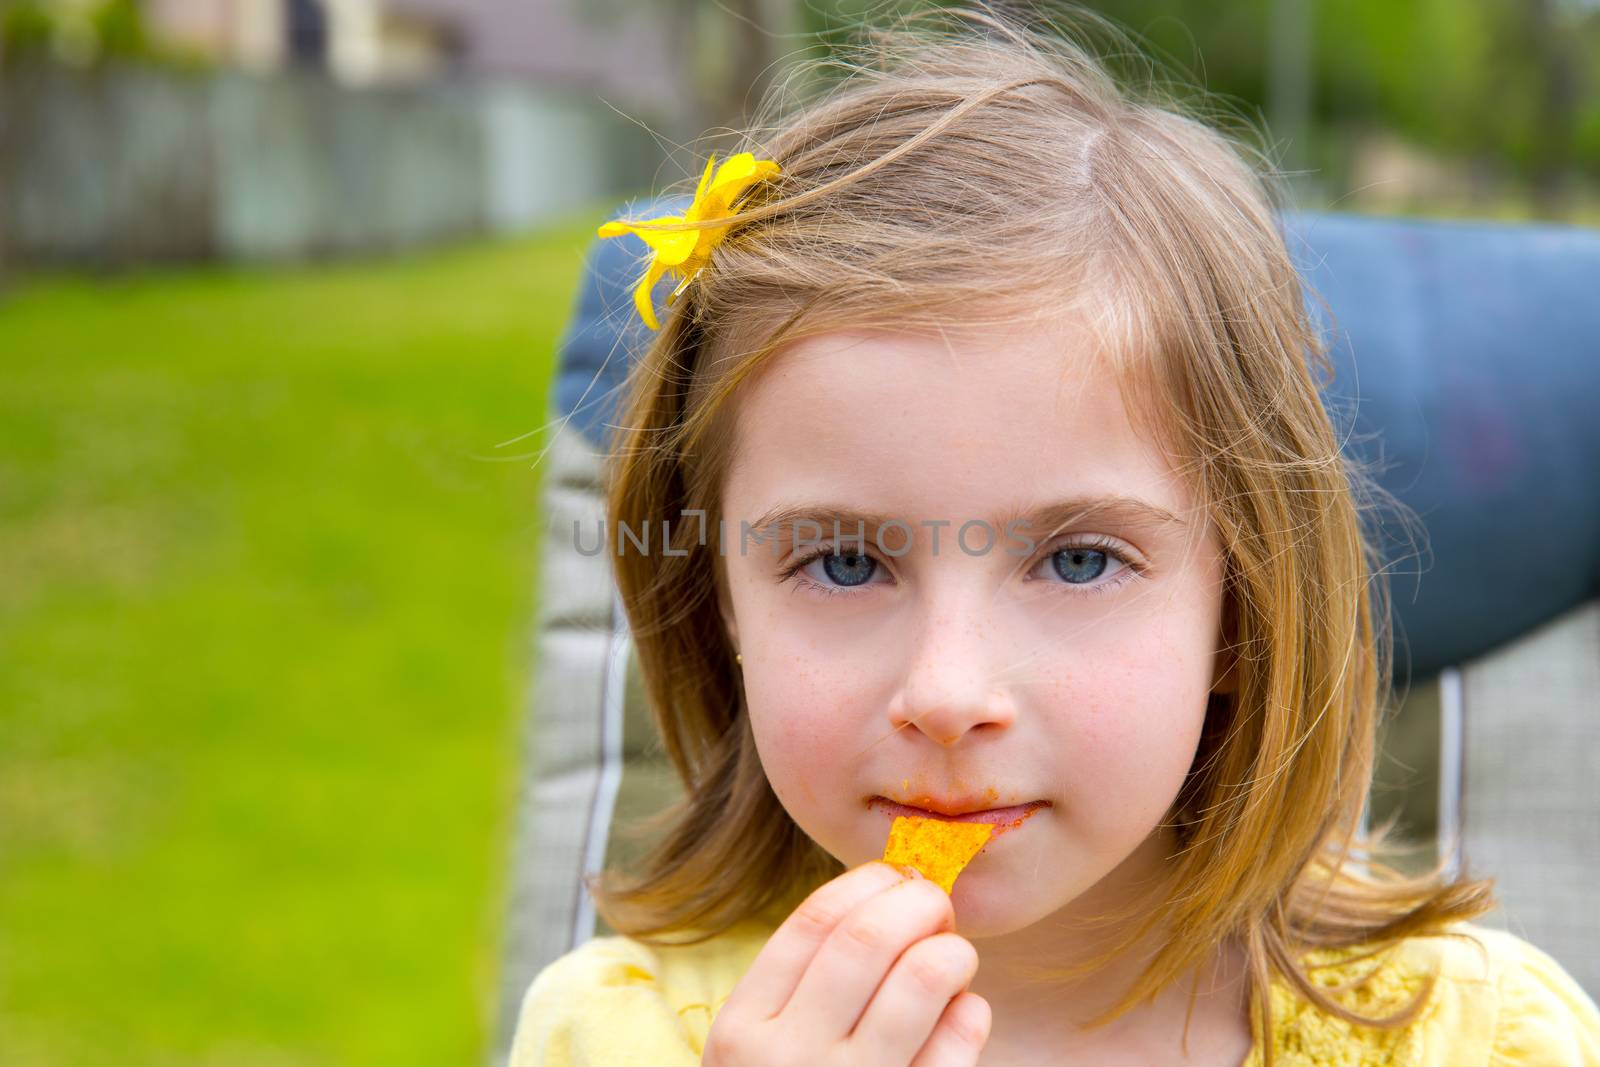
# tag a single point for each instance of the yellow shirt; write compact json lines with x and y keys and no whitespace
{"x":613,"y":1002}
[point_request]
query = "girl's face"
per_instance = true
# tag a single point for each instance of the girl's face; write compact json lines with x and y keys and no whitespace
{"x":969,"y":670}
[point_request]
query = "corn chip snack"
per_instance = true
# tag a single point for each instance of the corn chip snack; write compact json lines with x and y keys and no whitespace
{"x":939,"y":848}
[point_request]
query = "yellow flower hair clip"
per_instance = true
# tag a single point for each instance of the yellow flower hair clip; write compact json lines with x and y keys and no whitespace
{"x":686,"y":251}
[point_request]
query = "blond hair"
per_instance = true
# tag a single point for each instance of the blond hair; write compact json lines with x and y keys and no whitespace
{"x":974,"y":168}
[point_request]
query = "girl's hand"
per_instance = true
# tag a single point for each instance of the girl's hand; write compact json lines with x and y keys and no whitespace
{"x":868,"y":972}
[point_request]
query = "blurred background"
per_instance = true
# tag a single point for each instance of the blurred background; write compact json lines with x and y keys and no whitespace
{"x":281,"y":283}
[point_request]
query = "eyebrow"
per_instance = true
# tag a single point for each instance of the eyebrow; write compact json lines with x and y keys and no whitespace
{"x":1051,"y":517}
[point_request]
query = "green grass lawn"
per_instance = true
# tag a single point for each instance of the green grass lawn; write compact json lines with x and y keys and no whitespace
{"x":266,"y":587}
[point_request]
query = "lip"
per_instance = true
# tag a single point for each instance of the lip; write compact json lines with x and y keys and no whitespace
{"x":954,"y":812}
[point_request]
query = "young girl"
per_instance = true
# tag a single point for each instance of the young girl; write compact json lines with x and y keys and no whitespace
{"x":979,"y":469}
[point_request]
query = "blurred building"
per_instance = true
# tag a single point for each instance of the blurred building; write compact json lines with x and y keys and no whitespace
{"x":329,"y":127}
{"x":360,"y":42}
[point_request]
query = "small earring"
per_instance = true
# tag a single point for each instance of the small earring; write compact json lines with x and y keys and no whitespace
{"x":738,"y":657}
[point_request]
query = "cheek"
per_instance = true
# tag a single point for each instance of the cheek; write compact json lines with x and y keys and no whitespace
{"x":1133,"y":723}
{"x":799,"y":716}
{"x":811,"y":690}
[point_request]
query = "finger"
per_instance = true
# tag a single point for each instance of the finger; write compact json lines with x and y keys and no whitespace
{"x":849,"y":967}
{"x":775,"y":973}
{"x":920,"y":987}
{"x":960,"y":1036}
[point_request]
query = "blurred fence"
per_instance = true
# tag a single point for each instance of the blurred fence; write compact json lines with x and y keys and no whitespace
{"x":130,"y":165}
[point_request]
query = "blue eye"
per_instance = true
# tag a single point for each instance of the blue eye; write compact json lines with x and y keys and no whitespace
{"x":1079,"y":564}
{"x":849,"y":568}
{"x":843,"y":569}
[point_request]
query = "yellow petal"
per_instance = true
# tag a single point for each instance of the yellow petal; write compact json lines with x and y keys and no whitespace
{"x":743,"y":168}
{"x":671,"y":246}
{"x":733,"y":166}
{"x":687,"y":251}
{"x":737,"y":175}
{"x":701,"y":256}
{"x":731,"y":180}
{"x":642,"y":293}
{"x":700,"y":190}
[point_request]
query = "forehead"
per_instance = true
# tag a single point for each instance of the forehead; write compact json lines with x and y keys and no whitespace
{"x":984,"y":418}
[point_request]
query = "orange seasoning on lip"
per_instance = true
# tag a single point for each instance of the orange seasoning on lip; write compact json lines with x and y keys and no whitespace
{"x":939,"y":848}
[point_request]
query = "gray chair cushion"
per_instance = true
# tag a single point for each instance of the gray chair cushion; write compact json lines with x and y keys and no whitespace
{"x":1519,"y":797}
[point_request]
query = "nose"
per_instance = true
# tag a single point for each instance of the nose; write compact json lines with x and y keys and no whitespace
{"x":950,"y":686}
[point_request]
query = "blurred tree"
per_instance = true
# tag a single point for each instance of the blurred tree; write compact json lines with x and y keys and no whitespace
{"x":1290,"y":73}
{"x":1499,"y":81}
{"x":1555,"y":52}
{"x":732,"y":51}
{"x":1506,"y":86}
{"x":26,"y":28}
{"x":119,"y":29}
{"x":83,"y":35}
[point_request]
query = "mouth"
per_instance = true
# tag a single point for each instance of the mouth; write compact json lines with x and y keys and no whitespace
{"x":955,"y":813}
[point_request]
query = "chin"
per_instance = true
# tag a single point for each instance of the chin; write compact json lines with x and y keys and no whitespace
{"x":996,"y":905}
